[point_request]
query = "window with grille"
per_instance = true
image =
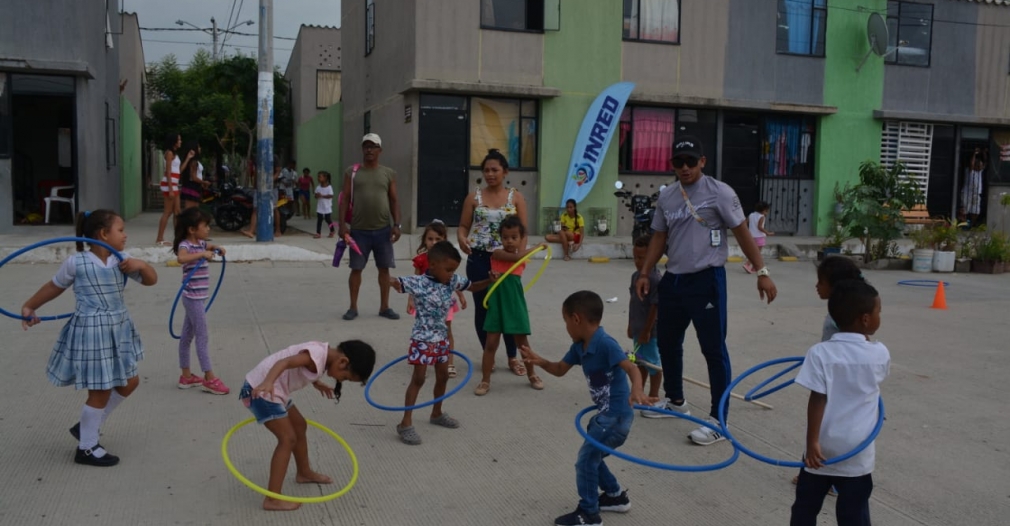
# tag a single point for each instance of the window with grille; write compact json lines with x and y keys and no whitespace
{"x":911,"y":144}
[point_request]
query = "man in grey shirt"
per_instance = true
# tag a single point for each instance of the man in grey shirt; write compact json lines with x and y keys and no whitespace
{"x":690,"y":224}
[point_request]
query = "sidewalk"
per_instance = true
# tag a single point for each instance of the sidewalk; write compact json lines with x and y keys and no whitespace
{"x":298,"y":245}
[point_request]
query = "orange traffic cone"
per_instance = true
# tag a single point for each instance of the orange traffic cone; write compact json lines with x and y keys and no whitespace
{"x":940,"y":299}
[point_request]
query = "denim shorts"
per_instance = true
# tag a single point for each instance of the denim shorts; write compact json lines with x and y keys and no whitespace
{"x":369,"y":241}
{"x":264,"y":410}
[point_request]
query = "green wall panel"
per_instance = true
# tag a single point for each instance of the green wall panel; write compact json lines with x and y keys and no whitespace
{"x":131,"y":174}
{"x":852,"y":135}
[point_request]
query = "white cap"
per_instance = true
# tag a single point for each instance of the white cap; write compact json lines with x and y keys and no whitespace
{"x":372,"y":137}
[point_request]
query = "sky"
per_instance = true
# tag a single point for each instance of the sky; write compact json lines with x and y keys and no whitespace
{"x":289,"y":15}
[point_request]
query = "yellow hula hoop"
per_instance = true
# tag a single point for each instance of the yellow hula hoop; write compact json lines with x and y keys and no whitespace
{"x":515,"y":265}
{"x":278,"y":496}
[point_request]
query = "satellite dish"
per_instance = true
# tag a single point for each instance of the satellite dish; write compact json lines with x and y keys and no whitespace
{"x":876,"y":34}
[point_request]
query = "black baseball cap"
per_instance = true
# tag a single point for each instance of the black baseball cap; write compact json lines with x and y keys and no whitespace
{"x":687,"y":146}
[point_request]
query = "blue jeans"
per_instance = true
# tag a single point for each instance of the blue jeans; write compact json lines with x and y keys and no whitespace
{"x":478,"y":267}
{"x":851,"y":509}
{"x":698,"y":298}
{"x":591,"y":473}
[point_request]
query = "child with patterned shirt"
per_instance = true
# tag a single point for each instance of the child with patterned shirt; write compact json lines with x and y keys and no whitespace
{"x":432,"y":293}
{"x":433,"y":233}
{"x":608,"y":373}
{"x":193,"y":252}
{"x":99,"y":347}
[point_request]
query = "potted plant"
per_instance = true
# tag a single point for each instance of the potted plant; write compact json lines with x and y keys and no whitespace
{"x":832,"y":244}
{"x":922,"y":254}
{"x":873,"y":208}
{"x":991,"y":252}
{"x":945,"y":238}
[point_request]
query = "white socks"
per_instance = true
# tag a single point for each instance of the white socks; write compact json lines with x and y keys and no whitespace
{"x":114,"y":402}
{"x":91,"y":421}
{"x":618,"y":494}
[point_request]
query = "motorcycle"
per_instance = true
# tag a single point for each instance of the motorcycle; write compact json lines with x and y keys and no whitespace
{"x":235,"y":206}
{"x":642,"y":207}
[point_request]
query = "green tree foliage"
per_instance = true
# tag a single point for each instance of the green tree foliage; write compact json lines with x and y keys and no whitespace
{"x":873,"y":208}
{"x":215,"y":104}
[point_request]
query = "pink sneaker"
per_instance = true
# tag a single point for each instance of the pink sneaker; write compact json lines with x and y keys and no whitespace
{"x":749,"y":268}
{"x":192,"y":381}
{"x":215,"y":386}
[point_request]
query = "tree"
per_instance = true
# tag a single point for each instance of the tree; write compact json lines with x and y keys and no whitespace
{"x":872,"y":210}
{"x":214,"y":103}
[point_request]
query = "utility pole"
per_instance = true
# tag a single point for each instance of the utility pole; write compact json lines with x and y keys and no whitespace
{"x":265,"y":125}
{"x":214,"y":48}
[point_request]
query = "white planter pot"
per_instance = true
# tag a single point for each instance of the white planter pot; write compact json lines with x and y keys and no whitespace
{"x":922,"y":260}
{"x":944,"y":261}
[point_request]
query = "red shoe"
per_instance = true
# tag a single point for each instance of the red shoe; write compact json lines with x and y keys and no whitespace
{"x":215,"y":386}
{"x":192,"y":381}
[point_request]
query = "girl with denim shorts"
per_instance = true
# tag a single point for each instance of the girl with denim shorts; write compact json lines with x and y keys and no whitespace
{"x":267,"y":394}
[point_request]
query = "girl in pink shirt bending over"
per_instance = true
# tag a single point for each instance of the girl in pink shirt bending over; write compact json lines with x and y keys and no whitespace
{"x":285,"y":372}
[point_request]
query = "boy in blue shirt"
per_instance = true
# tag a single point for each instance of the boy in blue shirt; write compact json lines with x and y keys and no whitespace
{"x":607,"y":371}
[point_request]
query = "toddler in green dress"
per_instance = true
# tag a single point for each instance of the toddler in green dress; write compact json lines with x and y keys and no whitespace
{"x":506,"y":309}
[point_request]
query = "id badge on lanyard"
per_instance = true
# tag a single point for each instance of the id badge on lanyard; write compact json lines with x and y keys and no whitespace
{"x":714,"y":234}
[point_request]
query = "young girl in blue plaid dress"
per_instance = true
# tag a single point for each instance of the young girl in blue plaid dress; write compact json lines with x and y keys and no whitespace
{"x":98,"y":349}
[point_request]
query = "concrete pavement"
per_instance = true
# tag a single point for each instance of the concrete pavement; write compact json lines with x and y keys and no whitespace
{"x":941,"y":459}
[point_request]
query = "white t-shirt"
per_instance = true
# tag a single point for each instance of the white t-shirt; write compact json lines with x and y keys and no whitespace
{"x":290,"y":380}
{"x":848,"y":369}
{"x":324,"y":204}
{"x":199,"y":171}
{"x":65,"y":276}
{"x":753,"y":221}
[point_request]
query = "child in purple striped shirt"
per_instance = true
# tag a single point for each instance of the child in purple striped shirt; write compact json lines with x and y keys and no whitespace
{"x":194,"y":252}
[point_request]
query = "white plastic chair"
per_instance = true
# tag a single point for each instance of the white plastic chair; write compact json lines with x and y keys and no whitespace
{"x":54,"y":196}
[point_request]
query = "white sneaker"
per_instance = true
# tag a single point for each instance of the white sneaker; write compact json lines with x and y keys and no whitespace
{"x":704,"y":436}
{"x":669,"y":406}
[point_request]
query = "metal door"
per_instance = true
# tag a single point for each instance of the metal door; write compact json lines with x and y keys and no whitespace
{"x":442,"y":169}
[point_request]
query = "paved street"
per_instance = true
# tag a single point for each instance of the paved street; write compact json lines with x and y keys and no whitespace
{"x":941,"y":459}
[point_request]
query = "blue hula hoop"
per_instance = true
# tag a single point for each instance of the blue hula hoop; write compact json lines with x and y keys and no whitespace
{"x":53,"y":241}
{"x":922,"y":283}
{"x":185,"y":281}
{"x":724,"y":402}
{"x":749,"y":395}
{"x":373,"y":403}
{"x":651,"y":463}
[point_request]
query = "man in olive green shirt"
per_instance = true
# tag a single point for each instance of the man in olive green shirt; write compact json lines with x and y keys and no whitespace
{"x":370,"y":192}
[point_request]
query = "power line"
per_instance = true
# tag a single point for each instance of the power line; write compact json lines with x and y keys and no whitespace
{"x":883,"y":12}
{"x":206,"y":44}
{"x":231,"y":14}
{"x":225,"y":31}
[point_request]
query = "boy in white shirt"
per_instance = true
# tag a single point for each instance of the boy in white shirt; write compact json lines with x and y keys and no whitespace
{"x":844,"y":376}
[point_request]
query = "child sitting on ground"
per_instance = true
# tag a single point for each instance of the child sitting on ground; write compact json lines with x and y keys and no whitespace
{"x":432,"y":293}
{"x":285,"y":372}
{"x":844,"y":376}
{"x":607,"y":371}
